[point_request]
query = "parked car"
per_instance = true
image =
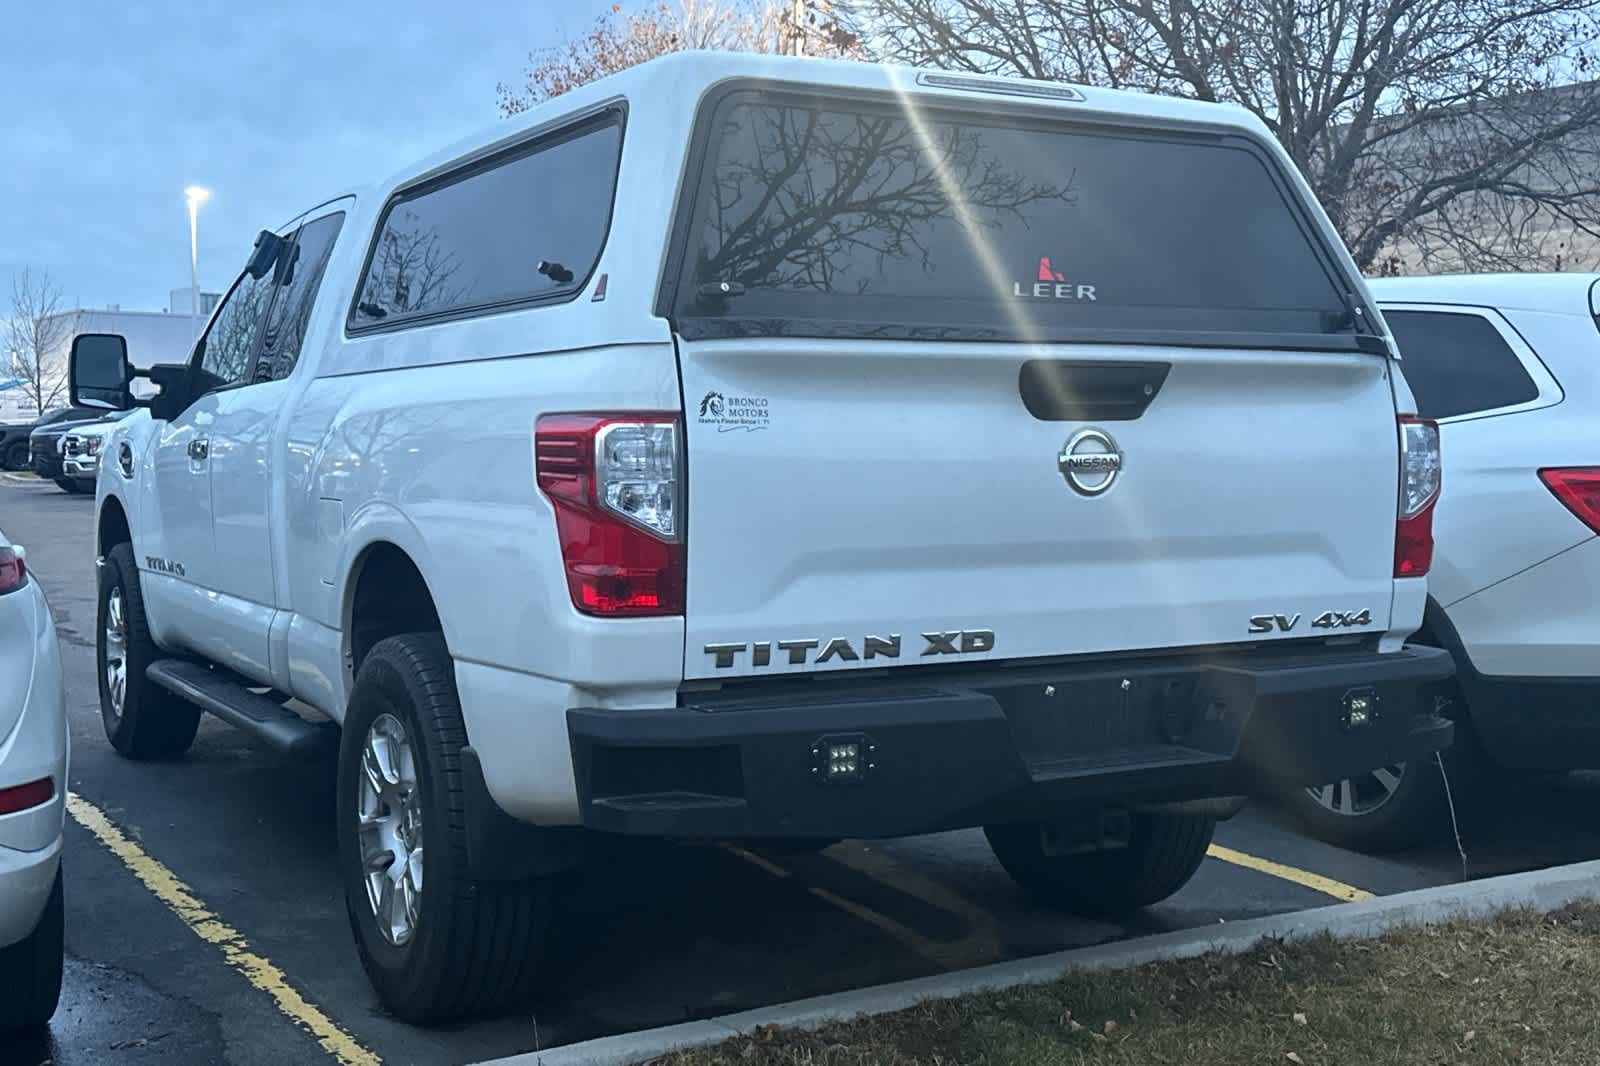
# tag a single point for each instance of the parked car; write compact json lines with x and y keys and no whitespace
{"x":46,"y":451}
{"x":33,"y":786}
{"x":811,"y":503}
{"x":81,"y":453}
{"x":1509,"y":365}
{"x":14,"y":437}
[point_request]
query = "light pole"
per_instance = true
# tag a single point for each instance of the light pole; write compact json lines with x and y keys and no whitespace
{"x":194,"y":196}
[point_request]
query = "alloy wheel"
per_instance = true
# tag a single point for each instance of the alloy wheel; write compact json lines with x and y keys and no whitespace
{"x":116,"y":655}
{"x":389,"y":829}
{"x":1361,"y":794}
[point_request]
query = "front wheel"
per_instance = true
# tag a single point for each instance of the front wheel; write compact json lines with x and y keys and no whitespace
{"x":1161,"y":854}
{"x":142,"y":720}
{"x":16,"y":456}
{"x":436,"y":944}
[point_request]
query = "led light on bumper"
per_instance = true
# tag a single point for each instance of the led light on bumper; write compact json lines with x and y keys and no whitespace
{"x":843,"y":760}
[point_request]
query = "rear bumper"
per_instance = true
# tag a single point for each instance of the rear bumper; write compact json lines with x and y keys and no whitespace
{"x":1003,"y":745}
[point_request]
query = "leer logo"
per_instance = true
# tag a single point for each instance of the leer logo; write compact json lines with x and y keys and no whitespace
{"x":1052,"y":285}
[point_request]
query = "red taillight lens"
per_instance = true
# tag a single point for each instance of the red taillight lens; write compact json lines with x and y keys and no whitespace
{"x":615,"y":484}
{"x":24,"y":797}
{"x":13,"y":572}
{"x":1578,"y":487}
{"x":1421,"y":477}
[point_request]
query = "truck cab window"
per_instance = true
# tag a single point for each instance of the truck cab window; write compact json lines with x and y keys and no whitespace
{"x":291,"y":311}
{"x":227,"y":347}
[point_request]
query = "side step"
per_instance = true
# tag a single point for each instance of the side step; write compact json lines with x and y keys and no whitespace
{"x":276,"y":726}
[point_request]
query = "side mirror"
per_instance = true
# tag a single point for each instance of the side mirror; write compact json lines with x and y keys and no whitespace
{"x":99,"y":372}
{"x":269,"y":246}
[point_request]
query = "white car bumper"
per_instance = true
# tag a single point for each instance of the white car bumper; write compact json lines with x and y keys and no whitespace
{"x":35,"y":748}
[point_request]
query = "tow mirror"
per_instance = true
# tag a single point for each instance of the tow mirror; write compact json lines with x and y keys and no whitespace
{"x":99,"y":372}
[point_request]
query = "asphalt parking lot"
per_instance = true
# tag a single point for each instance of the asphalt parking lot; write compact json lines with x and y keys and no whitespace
{"x":205,"y":923}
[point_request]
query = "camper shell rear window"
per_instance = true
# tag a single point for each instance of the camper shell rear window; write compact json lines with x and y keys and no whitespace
{"x":904,"y":217}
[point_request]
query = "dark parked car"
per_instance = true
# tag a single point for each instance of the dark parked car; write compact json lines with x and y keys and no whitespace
{"x":14,"y":438}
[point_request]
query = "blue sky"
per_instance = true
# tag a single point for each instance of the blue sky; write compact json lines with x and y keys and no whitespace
{"x":108,"y":109}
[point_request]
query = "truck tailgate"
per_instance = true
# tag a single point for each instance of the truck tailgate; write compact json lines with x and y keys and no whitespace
{"x":887,"y":493}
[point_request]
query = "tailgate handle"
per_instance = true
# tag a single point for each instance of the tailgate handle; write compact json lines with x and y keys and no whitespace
{"x":1055,"y":390}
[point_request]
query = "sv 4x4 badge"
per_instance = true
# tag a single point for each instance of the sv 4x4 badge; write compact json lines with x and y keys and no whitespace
{"x":955,"y":642}
{"x":1283,"y":623}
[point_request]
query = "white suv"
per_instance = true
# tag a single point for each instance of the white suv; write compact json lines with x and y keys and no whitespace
{"x":1509,"y":365}
{"x":911,"y":451}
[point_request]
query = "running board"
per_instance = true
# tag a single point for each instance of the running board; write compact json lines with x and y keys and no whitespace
{"x":275,"y":726}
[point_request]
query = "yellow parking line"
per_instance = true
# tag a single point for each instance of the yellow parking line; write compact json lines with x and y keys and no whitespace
{"x":756,"y":860}
{"x":236,"y":950}
{"x":908,"y":937}
{"x":1325,"y":885}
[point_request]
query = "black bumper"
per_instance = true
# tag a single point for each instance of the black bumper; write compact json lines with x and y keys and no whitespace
{"x":1002,"y":745}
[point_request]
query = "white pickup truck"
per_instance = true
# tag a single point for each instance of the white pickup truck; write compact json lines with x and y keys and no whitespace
{"x":750,"y":447}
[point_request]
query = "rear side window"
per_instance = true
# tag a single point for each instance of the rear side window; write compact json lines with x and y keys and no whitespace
{"x":857,"y":219}
{"x":1458,"y":363}
{"x":524,"y":228}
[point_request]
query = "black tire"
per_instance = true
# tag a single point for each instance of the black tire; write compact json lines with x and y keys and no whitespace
{"x":153,"y":723}
{"x":30,"y":971}
{"x":66,"y":484}
{"x":16,"y":456}
{"x":1416,"y":813}
{"x":477,"y":946}
{"x":1163,"y":852}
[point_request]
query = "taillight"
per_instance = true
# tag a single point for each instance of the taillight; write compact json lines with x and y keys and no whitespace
{"x":1420,"y":477}
{"x":13,"y":571}
{"x":616,"y":483}
{"x":24,"y":797}
{"x":1578,"y":487}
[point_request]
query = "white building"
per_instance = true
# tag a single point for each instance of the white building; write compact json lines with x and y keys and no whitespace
{"x":153,"y":337}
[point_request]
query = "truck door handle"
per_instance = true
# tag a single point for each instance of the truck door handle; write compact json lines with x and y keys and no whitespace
{"x":199,"y":448}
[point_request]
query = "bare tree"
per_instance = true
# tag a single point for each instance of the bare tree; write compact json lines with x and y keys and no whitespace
{"x":803,"y":198}
{"x":622,"y":38}
{"x":411,"y":272}
{"x":1444,"y":132}
{"x":36,"y":338}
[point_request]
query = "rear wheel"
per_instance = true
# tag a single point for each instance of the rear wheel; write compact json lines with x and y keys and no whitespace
{"x":436,"y":944}
{"x":142,"y":720}
{"x":30,"y":971}
{"x":1396,"y":807}
{"x":1162,"y":853}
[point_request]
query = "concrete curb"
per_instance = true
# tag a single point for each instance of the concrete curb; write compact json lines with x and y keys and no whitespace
{"x":1540,"y":890}
{"x":20,"y":480}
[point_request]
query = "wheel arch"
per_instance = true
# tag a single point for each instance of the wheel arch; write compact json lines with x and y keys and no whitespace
{"x":112,"y":526}
{"x":386,"y":594}
{"x":1438,"y":631}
